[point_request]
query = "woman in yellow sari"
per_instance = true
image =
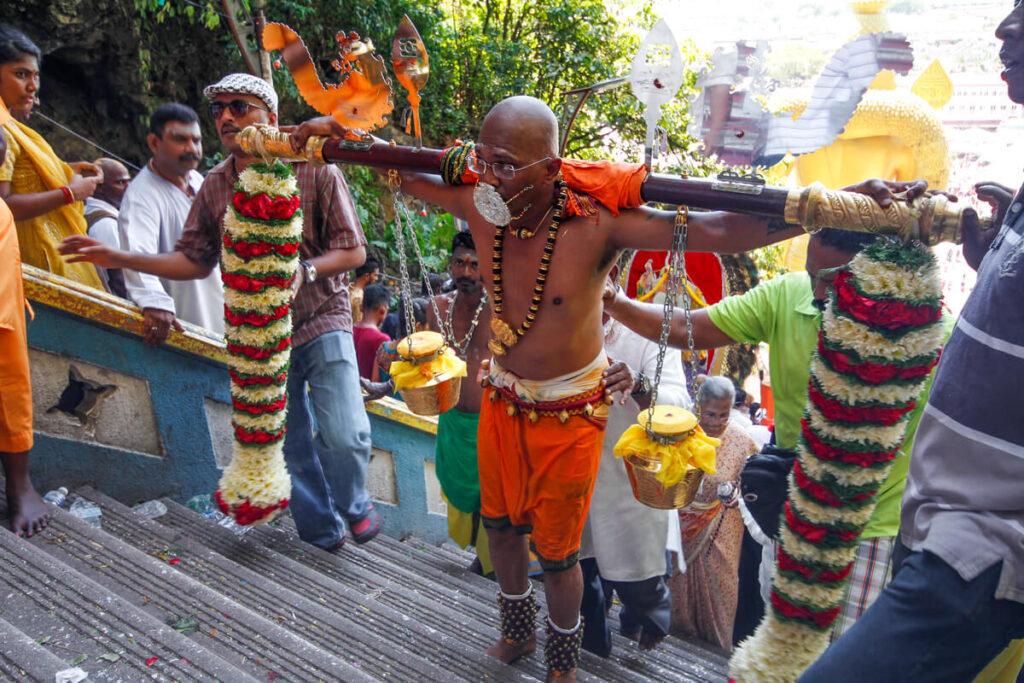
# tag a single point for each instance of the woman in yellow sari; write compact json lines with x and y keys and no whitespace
{"x":44,"y":193}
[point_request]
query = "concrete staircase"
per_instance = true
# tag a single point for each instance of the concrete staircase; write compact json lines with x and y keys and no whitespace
{"x":180,"y":598}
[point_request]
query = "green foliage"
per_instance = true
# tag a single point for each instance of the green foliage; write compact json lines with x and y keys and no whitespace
{"x":481,"y":51}
{"x":794,"y":63}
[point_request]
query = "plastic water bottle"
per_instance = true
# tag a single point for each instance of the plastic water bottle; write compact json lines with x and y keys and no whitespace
{"x":204,"y":505}
{"x":58,"y":497}
{"x":151,"y":509}
{"x":87,"y":511}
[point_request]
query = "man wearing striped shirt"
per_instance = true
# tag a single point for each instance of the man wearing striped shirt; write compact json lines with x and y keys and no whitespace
{"x":329,"y":472}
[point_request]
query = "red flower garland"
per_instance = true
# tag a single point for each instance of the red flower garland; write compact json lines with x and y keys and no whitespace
{"x":257,"y":379}
{"x":237,"y":318}
{"x":886,"y":314}
{"x":792,"y":565}
{"x":819,"y":492}
{"x":256,"y":353}
{"x":822,"y":619}
{"x":247,"y":513}
{"x":835,"y":411}
{"x":259,"y":408}
{"x":872,"y":373}
{"x":824,"y":451}
{"x":816,"y":534}
{"x":262,"y":207}
{"x":244,"y":283}
{"x":258,"y":436}
{"x":248,"y":250}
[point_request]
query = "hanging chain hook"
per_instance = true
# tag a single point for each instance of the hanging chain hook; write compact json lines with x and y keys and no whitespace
{"x":676,"y":265}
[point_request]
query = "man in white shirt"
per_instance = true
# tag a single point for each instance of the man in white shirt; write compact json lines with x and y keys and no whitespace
{"x":624,"y":542}
{"x":101,"y":216}
{"x":152,"y":216}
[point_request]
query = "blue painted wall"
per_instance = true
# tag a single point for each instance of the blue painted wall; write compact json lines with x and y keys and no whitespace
{"x":411,"y":448}
{"x":178,"y":383}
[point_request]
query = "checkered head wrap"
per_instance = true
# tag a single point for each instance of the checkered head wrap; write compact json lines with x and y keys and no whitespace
{"x":245,"y":84}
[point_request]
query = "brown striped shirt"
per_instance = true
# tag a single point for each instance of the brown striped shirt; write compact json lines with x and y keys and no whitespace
{"x":329,"y":222}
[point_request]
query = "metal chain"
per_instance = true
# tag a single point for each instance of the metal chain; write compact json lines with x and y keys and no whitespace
{"x":448,"y":326}
{"x":676,"y":266}
{"x":400,"y":207}
{"x":403,"y":267}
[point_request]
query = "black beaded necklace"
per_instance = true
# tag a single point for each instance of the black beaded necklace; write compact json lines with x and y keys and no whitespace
{"x":504,"y":337}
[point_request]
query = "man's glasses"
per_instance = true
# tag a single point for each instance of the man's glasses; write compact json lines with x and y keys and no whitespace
{"x":239,"y":108}
{"x":465,"y":263}
{"x":501,"y":171}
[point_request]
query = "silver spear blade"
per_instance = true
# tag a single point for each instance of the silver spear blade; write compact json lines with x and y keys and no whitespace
{"x":655,"y":76}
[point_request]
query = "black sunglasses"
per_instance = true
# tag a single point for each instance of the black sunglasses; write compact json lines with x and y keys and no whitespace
{"x":238,"y":108}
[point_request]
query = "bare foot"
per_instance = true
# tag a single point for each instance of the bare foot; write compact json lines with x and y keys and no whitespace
{"x":567,"y":677}
{"x":28,"y":512}
{"x":507,"y":652}
{"x":649,"y":642}
{"x":644,"y":640}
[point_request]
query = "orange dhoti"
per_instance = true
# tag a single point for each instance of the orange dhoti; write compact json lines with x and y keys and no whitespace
{"x":538,"y":459}
{"x":15,"y":387}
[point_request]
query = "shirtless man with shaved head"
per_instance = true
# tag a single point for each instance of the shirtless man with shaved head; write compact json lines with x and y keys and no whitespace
{"x":542,"y":419}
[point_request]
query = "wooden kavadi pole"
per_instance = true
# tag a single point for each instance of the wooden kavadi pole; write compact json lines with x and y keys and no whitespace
{"x":931,"y":219}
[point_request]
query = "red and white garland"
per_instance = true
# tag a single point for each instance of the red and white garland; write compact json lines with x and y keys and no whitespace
{"x":262,"y":232}
{"x":881,"y":335}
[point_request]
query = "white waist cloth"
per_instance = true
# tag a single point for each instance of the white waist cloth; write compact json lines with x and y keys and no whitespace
{"x":554,"y":389}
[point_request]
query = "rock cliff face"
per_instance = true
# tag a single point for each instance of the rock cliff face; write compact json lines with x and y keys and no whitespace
{"x":105,"y":67}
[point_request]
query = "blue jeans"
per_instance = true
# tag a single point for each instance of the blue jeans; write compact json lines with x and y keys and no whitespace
{"x":329,"y":472}
{"x":927,"y":625}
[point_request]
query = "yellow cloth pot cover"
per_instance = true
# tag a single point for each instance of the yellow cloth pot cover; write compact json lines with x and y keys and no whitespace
{"x":408,"y":375}
{"x":694,"y":451}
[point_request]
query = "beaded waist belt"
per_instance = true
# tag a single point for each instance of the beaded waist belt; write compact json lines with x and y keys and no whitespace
{"x":580,"y":404}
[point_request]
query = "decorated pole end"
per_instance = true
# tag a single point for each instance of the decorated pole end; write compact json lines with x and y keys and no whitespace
{"x":931,"y":219}
{"x":267,"y":142}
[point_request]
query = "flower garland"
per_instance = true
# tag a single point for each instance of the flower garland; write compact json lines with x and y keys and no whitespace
{"x":880,"y":338}
{"x":262,"y":232}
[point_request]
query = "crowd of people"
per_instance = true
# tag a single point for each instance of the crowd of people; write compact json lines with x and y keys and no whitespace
{"x":560,"y":362}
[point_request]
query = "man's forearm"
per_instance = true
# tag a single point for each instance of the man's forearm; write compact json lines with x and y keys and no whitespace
{"x":172,"y":265}
{"x":646,"y":320}
{"x":338,"y":261}
{"x":733,"y":233}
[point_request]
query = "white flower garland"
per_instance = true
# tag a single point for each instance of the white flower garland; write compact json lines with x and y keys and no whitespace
{"x":819,"y":532}
{"x":255,"y":486}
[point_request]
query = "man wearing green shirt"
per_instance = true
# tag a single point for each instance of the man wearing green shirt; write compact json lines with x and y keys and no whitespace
{"x":785,"y":312}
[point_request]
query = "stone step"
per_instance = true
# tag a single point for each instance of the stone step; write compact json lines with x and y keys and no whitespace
{"x":340,"y":621}
{"x":416,"y":566}
{"x":72,"y":615}
{"x":693,"y":658}
{"x":149,"y":578}
{"x":674,"y":659}
{"x":23,"y":659}
{"x":449,"y":636}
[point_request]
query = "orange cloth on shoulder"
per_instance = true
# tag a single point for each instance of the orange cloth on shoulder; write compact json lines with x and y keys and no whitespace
{"x":614,"y":185}
{"x":538,"y":475}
